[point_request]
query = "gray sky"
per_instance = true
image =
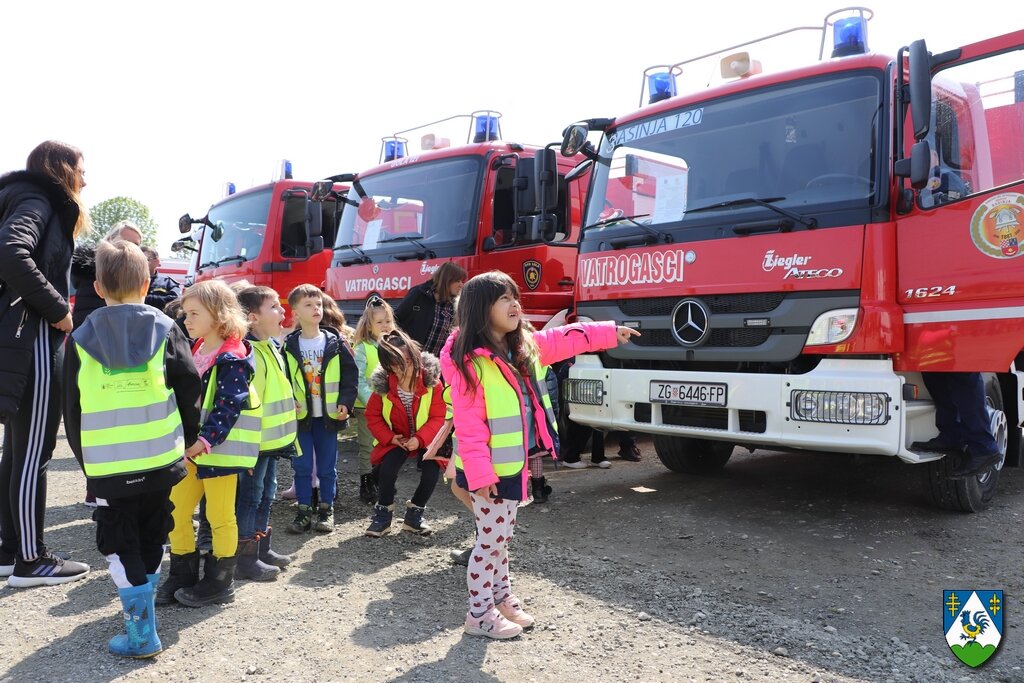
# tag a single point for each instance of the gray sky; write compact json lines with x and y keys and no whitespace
{"x":170,"y":101}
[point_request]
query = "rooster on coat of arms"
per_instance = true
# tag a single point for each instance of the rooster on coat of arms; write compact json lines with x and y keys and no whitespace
{"x":972,"y":631}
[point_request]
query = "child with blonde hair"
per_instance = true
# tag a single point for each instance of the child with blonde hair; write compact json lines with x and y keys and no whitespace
{"x":229,"y":442}
{"x":377,"y":319}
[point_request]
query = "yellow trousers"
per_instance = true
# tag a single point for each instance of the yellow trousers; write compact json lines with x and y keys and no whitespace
{"x":220,"y":511}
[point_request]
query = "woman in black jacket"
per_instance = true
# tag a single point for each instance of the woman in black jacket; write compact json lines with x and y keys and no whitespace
{"x":427,"y":312}
{"x":41,"y":213}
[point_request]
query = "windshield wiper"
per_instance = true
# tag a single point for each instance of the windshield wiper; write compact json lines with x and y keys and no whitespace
{"x":766,"y":202}
{"x":229,"y":259}
{"x":661,"y":236}
{"x":208,"y":264}
{"x":427,"y":251}
{"x":361,"y":256}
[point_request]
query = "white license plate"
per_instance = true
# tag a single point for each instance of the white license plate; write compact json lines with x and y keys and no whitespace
{"x":690,"y":393}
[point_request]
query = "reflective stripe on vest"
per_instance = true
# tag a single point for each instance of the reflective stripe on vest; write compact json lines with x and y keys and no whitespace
{"x":422,"y":412}
{"x":130,"y":422}
{"x":242,"y":445}
{"x":504,"y":419}
{"x":279,"y":426}
{"x":372,"y":361}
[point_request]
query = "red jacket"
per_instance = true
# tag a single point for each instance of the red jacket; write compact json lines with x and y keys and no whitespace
{"x":384,"y":383}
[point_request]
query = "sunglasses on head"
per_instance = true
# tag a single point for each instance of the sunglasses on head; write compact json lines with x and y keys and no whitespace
{"x":394,"y":338}
{"x":374,"y":302}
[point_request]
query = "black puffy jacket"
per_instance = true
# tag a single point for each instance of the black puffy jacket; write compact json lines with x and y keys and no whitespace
{"x":37,"y":223}
{"x":83,"y":277}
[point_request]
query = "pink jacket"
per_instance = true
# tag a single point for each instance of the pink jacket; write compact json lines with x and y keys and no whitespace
{"x":469,"y":413}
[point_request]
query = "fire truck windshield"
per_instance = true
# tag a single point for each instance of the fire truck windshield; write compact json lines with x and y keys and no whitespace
{"x":415,"y":206}
{"x":239,"y":224}
{"x":807,"y":146}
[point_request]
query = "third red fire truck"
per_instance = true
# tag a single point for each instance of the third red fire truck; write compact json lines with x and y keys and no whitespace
{"x":798,"y":247}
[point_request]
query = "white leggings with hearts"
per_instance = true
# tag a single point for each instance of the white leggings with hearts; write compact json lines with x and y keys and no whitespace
{"x":488,"y":576}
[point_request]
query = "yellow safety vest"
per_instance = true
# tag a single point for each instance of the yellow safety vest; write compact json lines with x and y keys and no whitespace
{"x":505,"y":417}
{"x":421,"y":417}
{"x":330,"y":383}
{"x":279,"y":424}
{"x":241,"y":448}
{"x":130,"y":422}
{"x":372,"y":361}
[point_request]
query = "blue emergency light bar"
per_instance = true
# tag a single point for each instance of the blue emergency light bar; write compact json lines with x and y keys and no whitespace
{"x":229,"y":189}
{"x":661,"y":85}
{"x":850,"y":36}
{"x":485,"y":126}
{"x":286,"y":169}
{"x":394,"y":149}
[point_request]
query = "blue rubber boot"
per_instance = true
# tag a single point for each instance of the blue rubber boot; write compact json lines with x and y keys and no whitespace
{"x":139,"y":640}
{"x":154,"y":581}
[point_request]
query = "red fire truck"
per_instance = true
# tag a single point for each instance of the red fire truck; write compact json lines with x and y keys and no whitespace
{"x":269,"y":235}
{"x":798,"y":247}
{"x":488,"y":204}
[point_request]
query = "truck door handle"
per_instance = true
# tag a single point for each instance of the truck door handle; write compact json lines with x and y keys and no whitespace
{"x":566,"y":282}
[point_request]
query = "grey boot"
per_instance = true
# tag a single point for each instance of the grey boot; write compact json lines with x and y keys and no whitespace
{"x":249,"y":565}
{"x":267,"y":554}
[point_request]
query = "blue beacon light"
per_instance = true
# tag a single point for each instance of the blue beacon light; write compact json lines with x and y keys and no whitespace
{"x":394,"y":149}
{"x":661,"y":86}
{"x":485,"y":128}
{"x":850,"y":36}
{"x":229,"y":189}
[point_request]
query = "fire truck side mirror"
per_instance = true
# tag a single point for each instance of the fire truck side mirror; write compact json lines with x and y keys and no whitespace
{"x":314,"y":245}
{"x":920,"y":88}
{"x":573,"y":139}
{"x":185,"y":224}
{"x":918,"y":166}
{"x":314,"y":224}
{"x":524,"y":199}
{"x":545,"y":168}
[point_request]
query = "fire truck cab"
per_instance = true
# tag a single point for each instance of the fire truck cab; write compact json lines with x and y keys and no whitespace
{"x":796,"y":248}
{"x":488,"y":204}
{"x":270,"y":235}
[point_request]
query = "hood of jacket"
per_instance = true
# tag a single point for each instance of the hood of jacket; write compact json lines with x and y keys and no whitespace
{"x":123,"y":336}
{"x":383,"y":383}
{"x":83,"y":264}
{"x":30,"y":182}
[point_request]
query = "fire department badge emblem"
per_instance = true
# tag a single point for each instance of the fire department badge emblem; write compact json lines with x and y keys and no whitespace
{"x":973,"y":624}
{"x":996,"y":226}
{"x":531,"y":274}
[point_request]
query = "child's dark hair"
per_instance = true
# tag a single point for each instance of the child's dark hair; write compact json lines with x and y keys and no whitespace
{"x":396,"y":350}
{"x":252,"y":298}
{"x":333,"y":317}
{"x":473,"y":315}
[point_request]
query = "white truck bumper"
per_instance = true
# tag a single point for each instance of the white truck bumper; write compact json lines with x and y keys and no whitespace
{"x":759,"y":410}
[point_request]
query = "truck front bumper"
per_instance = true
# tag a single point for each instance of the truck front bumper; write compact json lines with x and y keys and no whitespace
{"x":842,"y":406}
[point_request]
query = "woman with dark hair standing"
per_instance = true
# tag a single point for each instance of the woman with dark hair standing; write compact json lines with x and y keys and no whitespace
{"x":41,"y":213}
{"x":427,"y":313}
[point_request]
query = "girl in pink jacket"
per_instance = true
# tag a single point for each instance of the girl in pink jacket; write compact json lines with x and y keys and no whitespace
{"x":491,"y":364}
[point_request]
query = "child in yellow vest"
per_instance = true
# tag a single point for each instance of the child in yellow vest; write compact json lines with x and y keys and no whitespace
{"x":228,"y":443}
{"x":377,"y":320}
{"x":257,"y":488}
{"x":133,"y":366}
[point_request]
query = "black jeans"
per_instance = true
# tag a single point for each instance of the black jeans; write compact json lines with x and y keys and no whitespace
{"x":387,"y":475}
{"x":29,"y":439}
{"x":131,"y":533}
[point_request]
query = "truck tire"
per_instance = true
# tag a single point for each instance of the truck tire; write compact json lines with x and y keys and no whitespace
{"x":976,"y":493}
{"x":692,"y":456}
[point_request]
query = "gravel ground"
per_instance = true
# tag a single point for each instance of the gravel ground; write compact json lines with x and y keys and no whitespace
{"x":781,"y":568}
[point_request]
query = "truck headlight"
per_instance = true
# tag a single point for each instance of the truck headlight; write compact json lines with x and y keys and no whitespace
{"x":585,"y":391}
{"x":839,"y":407}
{"x":832,"y":327}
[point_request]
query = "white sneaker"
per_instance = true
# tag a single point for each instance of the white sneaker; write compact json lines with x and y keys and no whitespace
{"x":578,"y":465}
{"x":603,"y":464}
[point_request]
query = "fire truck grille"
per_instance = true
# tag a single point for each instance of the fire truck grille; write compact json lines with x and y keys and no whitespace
{"x":761,"y":302}
{"x":754,"y":421}
{"x":737,"y":337}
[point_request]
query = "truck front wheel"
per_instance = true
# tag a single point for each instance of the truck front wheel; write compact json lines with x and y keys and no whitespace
{"x":692,"y":456}
{"x":975,"y":493}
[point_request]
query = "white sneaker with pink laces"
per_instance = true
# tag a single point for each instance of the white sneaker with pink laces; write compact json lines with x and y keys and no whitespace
{"x":512,"y":610}
{"x":492,"y":625}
